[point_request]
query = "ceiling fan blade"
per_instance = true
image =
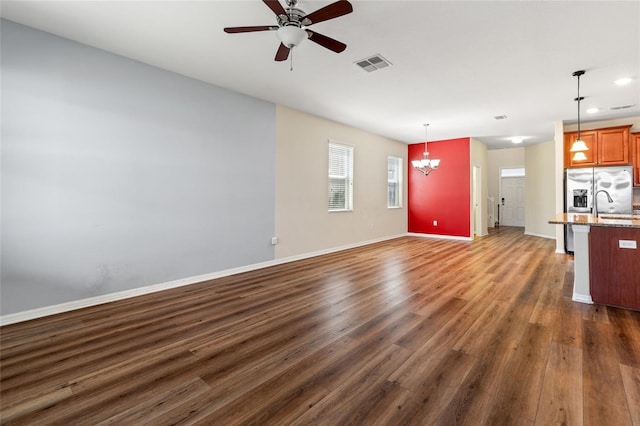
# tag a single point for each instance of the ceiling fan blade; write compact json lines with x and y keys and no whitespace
{"x":327,"y":42}
{"x":331,"y":11}
{"x":283,"y":53}
{"x":234,"y":30}
{"x":276,"y":7}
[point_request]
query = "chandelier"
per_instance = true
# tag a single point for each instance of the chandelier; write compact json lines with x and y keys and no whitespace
{"x":425,"y":165}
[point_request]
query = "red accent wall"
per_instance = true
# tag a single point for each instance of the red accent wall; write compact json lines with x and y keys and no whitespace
{"x":445,"y":194}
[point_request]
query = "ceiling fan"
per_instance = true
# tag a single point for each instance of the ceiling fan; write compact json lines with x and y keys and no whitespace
{"x":292,"y":22}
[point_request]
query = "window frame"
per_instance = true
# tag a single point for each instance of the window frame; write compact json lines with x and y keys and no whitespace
{"x":507,"y":172}
{"x":398,"y":181}
{"x":347,"y":176}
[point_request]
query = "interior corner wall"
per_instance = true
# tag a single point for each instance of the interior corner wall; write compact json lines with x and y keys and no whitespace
{"x":118,"y":175}
{"x":539,"y":193}
{"x":303,"y":223}
{"x":558,"y":150}
{"x":498,"y":159}
{"x":444,"y":195}
{"x":479,"y":157}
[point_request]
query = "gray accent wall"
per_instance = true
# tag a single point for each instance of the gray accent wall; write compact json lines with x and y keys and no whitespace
{"x":118,"y":175}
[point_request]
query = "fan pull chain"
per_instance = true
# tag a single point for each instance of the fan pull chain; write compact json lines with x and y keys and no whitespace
{"x":291,"y":60}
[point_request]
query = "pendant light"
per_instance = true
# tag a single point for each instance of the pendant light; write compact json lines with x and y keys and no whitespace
{"x":578,"y":146}
{"x":425,"y":165}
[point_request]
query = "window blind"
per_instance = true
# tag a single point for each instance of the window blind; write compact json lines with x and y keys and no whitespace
{"x":340,"y":177}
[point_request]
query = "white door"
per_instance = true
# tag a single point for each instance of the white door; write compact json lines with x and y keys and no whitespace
{"x":512,"y":201}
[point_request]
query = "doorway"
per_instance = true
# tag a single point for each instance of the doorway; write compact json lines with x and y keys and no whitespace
{"x":512,"y":200}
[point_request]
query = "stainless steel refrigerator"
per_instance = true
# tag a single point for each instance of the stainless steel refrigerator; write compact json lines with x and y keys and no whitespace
{"x":579,"y":185}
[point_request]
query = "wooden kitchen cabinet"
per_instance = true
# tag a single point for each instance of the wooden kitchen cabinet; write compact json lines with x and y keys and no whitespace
{"x":635,"y":148}
{"x":607,"y":147}
{"x":613,"y":146}
{"x":614,"y":272}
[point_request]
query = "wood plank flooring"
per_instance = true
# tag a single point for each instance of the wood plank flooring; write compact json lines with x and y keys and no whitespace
{"x":410,"y":331}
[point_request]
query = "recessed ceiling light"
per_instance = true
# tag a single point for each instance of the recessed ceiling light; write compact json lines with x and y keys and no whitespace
{"x":623,"y":81}
{"x":500,"y":117}
{"x":593,"y":110}
{"x":517,"y":139}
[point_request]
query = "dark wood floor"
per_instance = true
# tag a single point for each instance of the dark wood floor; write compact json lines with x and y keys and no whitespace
{"x":408,"y":331}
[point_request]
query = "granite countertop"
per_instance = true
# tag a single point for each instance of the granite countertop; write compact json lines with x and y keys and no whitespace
{"x":605,"y":220}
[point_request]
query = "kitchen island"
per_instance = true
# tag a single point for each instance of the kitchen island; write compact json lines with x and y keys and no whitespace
{"x":607,"y":258}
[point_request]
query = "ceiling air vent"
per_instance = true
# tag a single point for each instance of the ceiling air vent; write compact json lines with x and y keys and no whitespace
{"x":500,"y":117}
{"x":373,"y":63}
{"x":622,"y":107}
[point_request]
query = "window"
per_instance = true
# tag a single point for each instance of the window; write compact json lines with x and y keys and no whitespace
{"x":394,"y":182}
{"x":340,"y":177}
{"x":512,"y":172}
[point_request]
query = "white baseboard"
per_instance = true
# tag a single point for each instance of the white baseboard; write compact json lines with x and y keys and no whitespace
{"x":582,"y":298}
{"x":533,"y":234}
{"x":442,"y":237}
{"x":333,"y":250}
{"x":112,"y":297}
{"x":560,"y":251}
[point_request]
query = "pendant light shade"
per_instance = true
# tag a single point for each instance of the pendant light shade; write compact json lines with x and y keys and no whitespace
{"x":579,"y":156}
{"x":578,"y":145}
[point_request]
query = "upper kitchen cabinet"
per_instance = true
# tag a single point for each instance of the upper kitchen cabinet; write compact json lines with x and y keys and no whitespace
{"x":607,"y":147}
{"x":613,"y":146}
{"x":635,"y":148}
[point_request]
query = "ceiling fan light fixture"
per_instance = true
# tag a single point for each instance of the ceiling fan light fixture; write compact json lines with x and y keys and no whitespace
{"x":292,"y":23}
{"x":291,"y":35}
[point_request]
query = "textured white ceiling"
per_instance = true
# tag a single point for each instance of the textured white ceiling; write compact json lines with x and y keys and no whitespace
{"x":456,"y":64}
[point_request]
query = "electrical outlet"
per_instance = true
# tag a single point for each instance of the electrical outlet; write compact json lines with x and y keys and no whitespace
{"x":628,"y":244}
{"x":274,"y":241}
{"x":435,"y":223}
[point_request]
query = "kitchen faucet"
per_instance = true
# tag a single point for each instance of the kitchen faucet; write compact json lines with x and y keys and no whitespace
{"x":595,"y":200}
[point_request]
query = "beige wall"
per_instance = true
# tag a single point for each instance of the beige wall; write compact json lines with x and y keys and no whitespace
{"x":479,"y":155}
{"x":539,"y":163}
{"x":302,"y":222}
{"x":498,"y":159}
{"x":539,"y":193}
